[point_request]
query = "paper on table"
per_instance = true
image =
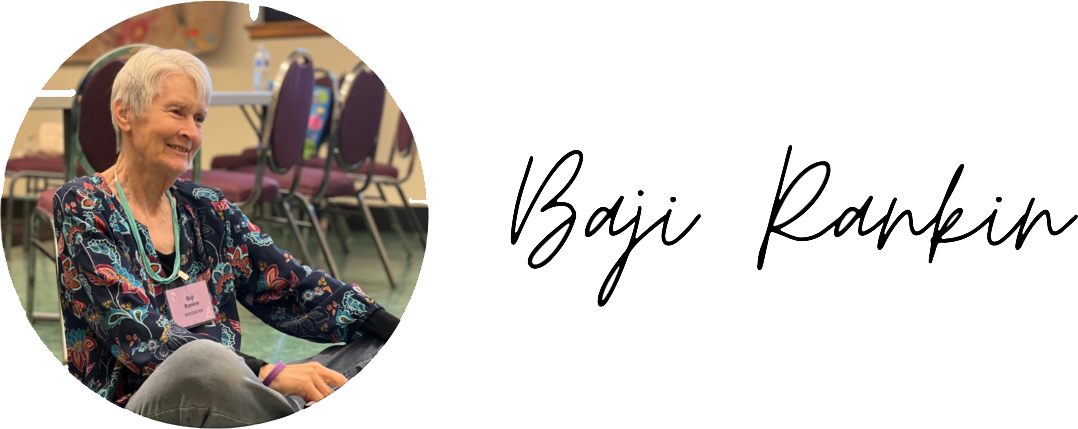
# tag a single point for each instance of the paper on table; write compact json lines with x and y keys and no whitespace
{"x":47,"y":143}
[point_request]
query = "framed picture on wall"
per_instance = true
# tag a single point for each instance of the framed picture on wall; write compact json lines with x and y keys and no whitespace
{"x":193,"y":27}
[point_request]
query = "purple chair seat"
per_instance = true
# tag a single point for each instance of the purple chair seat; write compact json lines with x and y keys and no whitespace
{"x":310,"y":180}
{"x":237,"y":186}
{"x":379,"y":168}
{"x":228,"y":162}
{"x":55,"y":165}
{"x":249,"y":158}
{"x":44,"y":201}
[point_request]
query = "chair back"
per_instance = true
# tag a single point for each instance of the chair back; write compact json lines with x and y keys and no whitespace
{"x":97,"y":137}
{"x":289,"y":110}
{"x":405,"y":146}
{"x":360,"y":117}
{"x":93,"y":139}
{"x":404,"y":136}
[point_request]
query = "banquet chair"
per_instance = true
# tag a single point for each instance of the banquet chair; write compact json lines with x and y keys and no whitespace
{"x":37,"y":174}
{"x":318,"y":125}
{"x":318,"y":134}
{"x":353,"y":144}
{"x":249,"y":157}
{"x":279,"y":157}
{"x":388,"y":174}
{"x":327,"y":79}
{"x":91,"y":148}
{"x":353,"y":135}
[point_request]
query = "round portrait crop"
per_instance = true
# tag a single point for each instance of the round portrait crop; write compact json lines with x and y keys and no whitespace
{"x":217,"y":228}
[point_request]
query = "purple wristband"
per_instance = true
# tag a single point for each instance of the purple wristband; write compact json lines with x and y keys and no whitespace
{"x":273,"y":374}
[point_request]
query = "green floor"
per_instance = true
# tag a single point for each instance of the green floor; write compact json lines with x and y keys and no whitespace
{"x":361,"y":266}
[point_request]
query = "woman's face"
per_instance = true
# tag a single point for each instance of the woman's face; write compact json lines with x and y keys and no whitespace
{"x":169,"y":133}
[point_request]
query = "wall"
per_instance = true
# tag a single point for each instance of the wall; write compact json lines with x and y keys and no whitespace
{"x":226,"y":131}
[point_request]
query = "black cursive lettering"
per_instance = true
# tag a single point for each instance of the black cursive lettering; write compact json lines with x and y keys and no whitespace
{"x":939,"y":226}
{"x":567,"y":224}
{"x":602,"y":214}
{"x":609,"y":214}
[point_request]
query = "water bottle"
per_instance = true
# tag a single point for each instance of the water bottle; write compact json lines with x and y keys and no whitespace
{"x":261,"y":67}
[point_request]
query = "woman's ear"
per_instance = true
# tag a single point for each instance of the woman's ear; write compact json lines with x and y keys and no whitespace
{"x":122,"y":116}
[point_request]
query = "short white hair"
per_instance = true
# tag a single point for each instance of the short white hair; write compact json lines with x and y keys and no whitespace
{"x":141,"y":79}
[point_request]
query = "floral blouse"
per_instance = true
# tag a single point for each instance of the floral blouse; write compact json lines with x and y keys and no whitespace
{"x":116,"y":324}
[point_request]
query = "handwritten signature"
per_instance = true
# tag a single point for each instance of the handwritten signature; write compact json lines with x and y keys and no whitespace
{"x":563,"y":230}
{"x":853,"y":213}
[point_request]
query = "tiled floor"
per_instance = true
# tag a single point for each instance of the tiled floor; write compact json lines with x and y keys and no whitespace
{"x":361,"y":266}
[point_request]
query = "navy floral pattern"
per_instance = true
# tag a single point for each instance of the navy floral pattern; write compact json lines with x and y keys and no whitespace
{"x":116,"y":318}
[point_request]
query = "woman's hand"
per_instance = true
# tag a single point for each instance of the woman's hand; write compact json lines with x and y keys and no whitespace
{"x":309,"y":381}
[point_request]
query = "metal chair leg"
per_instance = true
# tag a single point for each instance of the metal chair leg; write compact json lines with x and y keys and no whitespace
{"x":299,"y":235}
{"x":336,"y":215}
{"x":305,"y":232}
{"x":29,"y":254}
{"x":60,"y":311}
{"x":395,"y":221}
{"x":413,"y":217}
{"x":343,"y":220}
{"x":273,"y":209}
{"x":26,"y":212}
{"x":9,"y":216}
{"x":321,"y":235}
{"x":377,"y":238}
{"x":344,"y":232}
{"x":36,"y":245}
{"x":342,"y":217}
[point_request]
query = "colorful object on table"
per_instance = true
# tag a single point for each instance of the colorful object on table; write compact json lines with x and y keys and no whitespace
{"x":316,"y":125}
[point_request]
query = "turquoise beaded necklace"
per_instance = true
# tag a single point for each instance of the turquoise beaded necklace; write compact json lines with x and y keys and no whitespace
{"x":138,"y":239}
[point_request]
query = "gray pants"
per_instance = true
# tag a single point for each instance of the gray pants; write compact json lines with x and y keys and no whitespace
{"x":205,"y":384}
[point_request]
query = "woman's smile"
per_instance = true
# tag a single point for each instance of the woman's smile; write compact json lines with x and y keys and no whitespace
{"x":182,"y":149}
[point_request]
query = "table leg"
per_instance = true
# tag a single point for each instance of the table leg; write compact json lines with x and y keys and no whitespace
{"x":69,"y":158}
{"x":261,"y":124}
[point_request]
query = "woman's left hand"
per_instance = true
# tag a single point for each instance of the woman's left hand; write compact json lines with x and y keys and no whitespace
{"x":309,"y":381}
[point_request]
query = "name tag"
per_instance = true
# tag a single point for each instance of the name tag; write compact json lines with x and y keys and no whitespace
{"x":190,"y":305}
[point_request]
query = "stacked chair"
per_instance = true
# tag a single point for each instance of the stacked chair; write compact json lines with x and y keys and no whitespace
{"x":352,"y":143}
{"x":352,"y":140}
{"x":37,"y":174}
{"x":388,"y":174}
{"x":269,"y":176}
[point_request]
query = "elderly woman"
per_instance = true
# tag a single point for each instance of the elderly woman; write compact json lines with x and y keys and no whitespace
{"x":153,"y":267}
